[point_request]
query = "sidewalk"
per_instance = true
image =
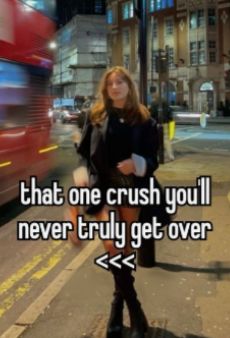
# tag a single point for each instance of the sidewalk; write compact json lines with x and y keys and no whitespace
{"x":186,"y":296}
{"x":219,"y":119}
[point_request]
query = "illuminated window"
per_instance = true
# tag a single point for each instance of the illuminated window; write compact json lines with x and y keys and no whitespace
{"x":201,"y":45}
{"x":169,"y":26}
{"x":14,"y":97}
{"x":126,"y":61}
{"x":192,"y":46}
{"x":197,"y":52}
{"x":206,"y":86}
{"x":193,"y":58}
{"x":127,"y":10}
{"x":211,"y":17}
{"x":109,"y":16}
{"x":200,"y":18}
{"x":193,"y":53}
{"x":193,"y":20}
{"x":196,"y":19}
{"x":157,"y":5}
{"x":170,"y":52}
{"x":201,"y":52}
{"x":151,"y":6}
{"x":201,"y":57}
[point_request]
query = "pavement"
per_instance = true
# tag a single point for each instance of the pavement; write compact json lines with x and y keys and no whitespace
{"x":187,"y":294}
{"x":219,"y":119}
{"x":210,"y":120}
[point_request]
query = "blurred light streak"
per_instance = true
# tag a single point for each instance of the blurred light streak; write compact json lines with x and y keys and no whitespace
{"x":5,"y":164}
{"x":45,"y":150}
{"x":190,"y":115}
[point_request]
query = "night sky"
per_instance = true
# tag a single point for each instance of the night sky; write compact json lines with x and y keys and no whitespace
{"x":66,"y":9}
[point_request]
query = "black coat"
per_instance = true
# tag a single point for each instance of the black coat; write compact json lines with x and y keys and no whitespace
{"x":93,"y":147}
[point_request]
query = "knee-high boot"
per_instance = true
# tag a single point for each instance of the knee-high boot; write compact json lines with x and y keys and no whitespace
{"x":115,"y":323}
{"x":125,"y":282}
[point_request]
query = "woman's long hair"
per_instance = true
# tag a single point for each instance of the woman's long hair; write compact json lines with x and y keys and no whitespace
{"x":134,"y":111}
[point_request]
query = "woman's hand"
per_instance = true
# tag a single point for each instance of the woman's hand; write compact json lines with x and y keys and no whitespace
{"x":81,"y":177}
{"x":126,"y":167}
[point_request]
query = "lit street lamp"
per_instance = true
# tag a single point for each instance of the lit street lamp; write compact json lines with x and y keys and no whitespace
{"x":53,"y":45}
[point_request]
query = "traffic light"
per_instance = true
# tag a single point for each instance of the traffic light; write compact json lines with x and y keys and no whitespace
{"x":162,"y":62}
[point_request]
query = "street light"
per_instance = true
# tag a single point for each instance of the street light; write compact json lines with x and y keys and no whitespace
{"x":53,"y":45}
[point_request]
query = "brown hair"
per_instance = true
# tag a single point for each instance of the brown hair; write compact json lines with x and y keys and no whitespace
{"x":134,"y":111}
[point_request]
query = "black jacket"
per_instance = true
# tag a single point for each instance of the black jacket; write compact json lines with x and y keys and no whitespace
{"x":93,"y":149}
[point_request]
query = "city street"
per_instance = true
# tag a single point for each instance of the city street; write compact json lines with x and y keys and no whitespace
{"x":213,"y":138}
{"x":185,"y":296}
{"x":60,"y":59}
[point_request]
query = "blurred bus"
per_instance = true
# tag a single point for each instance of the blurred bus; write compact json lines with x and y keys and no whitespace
{"x":25,"y":68}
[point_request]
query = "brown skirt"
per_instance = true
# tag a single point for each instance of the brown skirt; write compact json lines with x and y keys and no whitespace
{"x":118,"y":180}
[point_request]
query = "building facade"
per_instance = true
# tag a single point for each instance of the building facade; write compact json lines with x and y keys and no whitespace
{"x":194,"y":36}
{"x":67,"y":9}
{"x":80,"y":57}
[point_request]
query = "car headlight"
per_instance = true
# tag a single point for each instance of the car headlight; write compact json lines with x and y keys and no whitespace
{"x":50,"y":113}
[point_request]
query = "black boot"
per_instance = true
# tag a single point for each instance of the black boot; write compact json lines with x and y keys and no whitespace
{"x":115,"y":323}
{"x":125,"y":282}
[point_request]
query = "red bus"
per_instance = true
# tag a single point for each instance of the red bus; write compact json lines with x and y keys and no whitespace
{"x":26,"y":28}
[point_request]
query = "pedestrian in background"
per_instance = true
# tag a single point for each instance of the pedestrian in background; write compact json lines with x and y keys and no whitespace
{"x":167,"y":118}
{"x":119,"y":149}
{"x":203,"y":115}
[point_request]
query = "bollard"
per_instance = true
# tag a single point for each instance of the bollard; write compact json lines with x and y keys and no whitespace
{"x":146,"y":254}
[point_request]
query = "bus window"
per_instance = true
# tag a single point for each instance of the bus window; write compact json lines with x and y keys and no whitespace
{"x":47,"y":7}
{"x":13,"y":95}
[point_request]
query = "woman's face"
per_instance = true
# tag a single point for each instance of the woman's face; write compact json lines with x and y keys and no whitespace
{"x":117,"y":89}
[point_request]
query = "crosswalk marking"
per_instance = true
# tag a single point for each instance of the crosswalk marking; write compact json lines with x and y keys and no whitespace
{"x":186,"y":138}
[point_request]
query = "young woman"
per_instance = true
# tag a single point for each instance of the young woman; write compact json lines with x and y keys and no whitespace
{"x":119,"y":148}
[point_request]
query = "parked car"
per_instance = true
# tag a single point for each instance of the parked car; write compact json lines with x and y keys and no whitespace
{"x":84,"y":109}
{"x":69,"y":114}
